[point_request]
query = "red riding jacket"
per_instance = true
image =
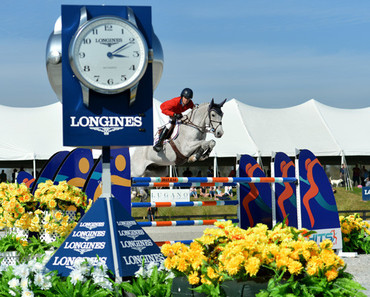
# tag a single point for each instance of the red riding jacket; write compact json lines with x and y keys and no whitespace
{"x":170,"y":107}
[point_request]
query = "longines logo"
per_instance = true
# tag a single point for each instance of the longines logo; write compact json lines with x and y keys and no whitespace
{"x":105,"y":124}
{"x":84,"y":247}
{"x":108,"y":41}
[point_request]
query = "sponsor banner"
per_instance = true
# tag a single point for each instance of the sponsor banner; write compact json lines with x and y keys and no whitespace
{"x":108,"y":119}
{"x":88,"y":239}
{"x":133,"y":244}
{"x":286,"y":201}
{"x":334,"y":234}
{"x":255,"y":199}
{"x":120,"y":178}
{"x":365,"y":193}
{"x":170,"y":195}
{"x":26,"y":178}
{"x":91,"y":238}
{"x":50,"y":168}
{"x":75,"y":168}
{"x":93,"y":185}
{"x":318,"y":206}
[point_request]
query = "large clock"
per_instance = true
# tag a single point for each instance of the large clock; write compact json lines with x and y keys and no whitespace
{"x":54,"y":57}
{"x":108,"y":54}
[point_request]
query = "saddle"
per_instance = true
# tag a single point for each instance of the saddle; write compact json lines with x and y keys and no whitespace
{"x":171,"y":135}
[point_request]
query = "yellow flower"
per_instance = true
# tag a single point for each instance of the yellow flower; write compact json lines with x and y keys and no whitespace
{"x":252,"y":266}
{"x":51,"y":204}
{"x":193,"y":278}
{"x":326,"y":244}
{"x":295,"y":267}
{"x":331,"y":274}
{"x":212,"y":273}
{"x":58,"y":215}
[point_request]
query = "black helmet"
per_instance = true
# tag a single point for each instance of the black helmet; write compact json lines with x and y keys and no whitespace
{"x":187,"y":93}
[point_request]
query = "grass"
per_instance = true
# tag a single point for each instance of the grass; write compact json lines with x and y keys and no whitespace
{"x":350,"y":200}
{"x":346,"y":201}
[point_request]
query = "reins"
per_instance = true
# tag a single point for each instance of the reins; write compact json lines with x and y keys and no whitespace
{"x":203,"y":129}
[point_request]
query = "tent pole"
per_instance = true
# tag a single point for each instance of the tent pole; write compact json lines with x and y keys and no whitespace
{"x":347,"y":177}
{"x":215,"y":166}
{"x":34,"y":166}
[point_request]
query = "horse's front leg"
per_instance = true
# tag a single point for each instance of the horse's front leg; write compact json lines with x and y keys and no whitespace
{"x":203,"y":151}
{"x":208,"y":151}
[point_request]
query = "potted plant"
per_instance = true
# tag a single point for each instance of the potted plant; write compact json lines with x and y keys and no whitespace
{"x":355,"y":234}
{"x":60,"y":208}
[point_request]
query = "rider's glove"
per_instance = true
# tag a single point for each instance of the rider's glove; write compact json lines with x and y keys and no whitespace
{"x":177,"y":116}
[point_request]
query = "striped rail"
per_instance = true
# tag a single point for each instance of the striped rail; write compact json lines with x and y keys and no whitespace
{"x":182,"y":204}
{"x":182,"y":223}
{"x":162,"y":181}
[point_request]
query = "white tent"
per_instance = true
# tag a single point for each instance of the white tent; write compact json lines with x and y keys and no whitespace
{"x":324,"y":130}
{"x":31,"y":133}
{"x":36,"y":133}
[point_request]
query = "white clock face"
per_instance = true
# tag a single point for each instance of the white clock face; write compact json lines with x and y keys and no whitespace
{"x":108,"y":55}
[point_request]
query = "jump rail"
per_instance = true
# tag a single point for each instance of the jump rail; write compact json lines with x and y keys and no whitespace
{"x":183,"y":180}
{"x":182,"y":223}
{"x":182,"y":204}
{"x":166,"y":184}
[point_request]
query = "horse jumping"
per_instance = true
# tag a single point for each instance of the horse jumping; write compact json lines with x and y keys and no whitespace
{"x":189,"y":146}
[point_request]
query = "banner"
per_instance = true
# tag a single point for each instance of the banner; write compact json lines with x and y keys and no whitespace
{"x":120,"y":178}
{"x":75,"y":168}
{"x":170,"y":195}
{"x":49,"y":170}
{"x":91,"y":238}
{"x":318,"y":207}
{"x":255,"y":199}
{"x":286,"y":201}
{"x":26,"y":178}
{"x":365,"y":193}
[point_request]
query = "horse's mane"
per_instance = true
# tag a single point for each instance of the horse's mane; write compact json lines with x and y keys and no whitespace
{"x":203,"y":104}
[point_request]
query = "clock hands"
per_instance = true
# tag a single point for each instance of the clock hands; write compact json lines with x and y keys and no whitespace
{"x":111,"y":55}
{"x":114,"y":53}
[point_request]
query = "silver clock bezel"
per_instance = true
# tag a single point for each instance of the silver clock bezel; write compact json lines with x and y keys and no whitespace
{"x":72,"y":47}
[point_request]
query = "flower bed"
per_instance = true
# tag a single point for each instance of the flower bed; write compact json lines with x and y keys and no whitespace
{"x":283,"y":257}
{"x":355,"y":233}
{"x":225,"y":261}
{"x":54,"y":209}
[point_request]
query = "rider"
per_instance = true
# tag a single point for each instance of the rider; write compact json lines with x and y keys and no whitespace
{"x":173,"y":108}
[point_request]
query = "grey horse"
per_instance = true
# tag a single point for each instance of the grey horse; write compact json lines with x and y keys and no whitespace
{"x":190,"y":145}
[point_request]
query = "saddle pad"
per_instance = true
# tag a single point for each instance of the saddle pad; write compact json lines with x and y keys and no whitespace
{"x":174,"y":135}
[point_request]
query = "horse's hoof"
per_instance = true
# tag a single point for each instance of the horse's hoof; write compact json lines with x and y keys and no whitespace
{"x":203,"y":157}
{"x":192,"y":159}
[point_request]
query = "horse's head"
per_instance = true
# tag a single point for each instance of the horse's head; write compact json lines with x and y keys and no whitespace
{"x":215,"y":118}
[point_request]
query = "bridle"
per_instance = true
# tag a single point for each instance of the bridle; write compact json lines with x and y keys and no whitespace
{"x":211,"y":128}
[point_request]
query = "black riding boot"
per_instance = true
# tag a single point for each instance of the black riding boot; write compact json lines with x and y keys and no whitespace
{"x":158,"y":146}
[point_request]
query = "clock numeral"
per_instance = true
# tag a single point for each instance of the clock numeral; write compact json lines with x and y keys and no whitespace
{"x":131,"y":40}
{"x":96,"y":77}
{"x":81,"y":55}
{"x":110,"y":81}
{"x":87,"y":68}
{"x":86,"y":41}
{"x":108,"y":27}
{"x":122,"y":31}
{"x":136,"y":54}
{"x":95,"y":31}
{"x":123,"y":77}
{"x":132,"y":67}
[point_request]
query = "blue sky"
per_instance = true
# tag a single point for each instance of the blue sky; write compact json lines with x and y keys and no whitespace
{"x":264,"y":53}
